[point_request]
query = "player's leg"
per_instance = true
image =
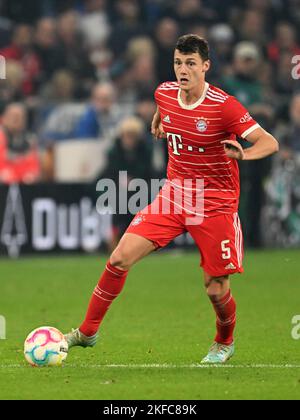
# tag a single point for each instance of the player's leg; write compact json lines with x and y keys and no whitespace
{"x":219,"y":293}
{"x":130,"y":250}
{"x":220,"y":242}
{"x":148,"y":231}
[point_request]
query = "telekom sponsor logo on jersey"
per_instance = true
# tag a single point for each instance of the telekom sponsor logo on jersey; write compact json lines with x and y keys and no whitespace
{"x":175,"y":142}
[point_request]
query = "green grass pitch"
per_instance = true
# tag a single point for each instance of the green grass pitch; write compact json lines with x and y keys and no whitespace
{"x":157,"y":331}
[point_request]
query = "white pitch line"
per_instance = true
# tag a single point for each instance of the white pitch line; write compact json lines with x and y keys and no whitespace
{"x":167,"y":366}
{"x":195,"y":366}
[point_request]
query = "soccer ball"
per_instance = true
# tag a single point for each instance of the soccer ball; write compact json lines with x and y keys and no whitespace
{"x":45,"y":346}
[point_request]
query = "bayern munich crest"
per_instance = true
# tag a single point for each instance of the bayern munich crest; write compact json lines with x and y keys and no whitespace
{"x":201,"y":125}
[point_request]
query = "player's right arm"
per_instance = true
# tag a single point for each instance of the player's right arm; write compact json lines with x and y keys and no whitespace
{"x":156,"y":126}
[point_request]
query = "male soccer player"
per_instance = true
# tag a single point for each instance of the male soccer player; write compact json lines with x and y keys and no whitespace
{"x":200,"y":123}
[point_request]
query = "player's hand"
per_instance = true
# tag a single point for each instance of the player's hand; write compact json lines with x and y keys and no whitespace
{"x":233,"y":149}
{"x":157,"y":128}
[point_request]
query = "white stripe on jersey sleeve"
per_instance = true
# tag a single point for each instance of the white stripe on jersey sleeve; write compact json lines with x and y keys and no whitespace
{"x":216,"y":95}
{"x":250,"y":130}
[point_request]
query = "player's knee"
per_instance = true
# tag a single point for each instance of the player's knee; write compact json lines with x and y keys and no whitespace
{"x":121,"y":258}
{"x":214,"y":295}
{"x":216,"y":288}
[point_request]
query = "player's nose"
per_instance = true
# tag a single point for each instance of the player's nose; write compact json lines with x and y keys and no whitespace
{"x":184,"y":69}
{"x":183,"y":73}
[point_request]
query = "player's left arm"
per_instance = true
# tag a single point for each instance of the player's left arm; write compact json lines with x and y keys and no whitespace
{"x":238,"y":121}
{"x":263,"y":145}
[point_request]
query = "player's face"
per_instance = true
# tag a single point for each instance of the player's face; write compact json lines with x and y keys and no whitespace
{"x":190,"y":70}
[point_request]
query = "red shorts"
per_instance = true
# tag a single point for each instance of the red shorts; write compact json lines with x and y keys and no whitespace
{"x":219,"y":239}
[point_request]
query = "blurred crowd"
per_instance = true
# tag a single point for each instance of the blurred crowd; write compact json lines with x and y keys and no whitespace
{"x":87,"y":69}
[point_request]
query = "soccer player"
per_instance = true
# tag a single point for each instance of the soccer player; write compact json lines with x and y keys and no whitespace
{"x":200,"y":123}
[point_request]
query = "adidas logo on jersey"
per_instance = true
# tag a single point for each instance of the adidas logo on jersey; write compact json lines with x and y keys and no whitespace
{"x":167,"y":119}
{"x":230,"y":267}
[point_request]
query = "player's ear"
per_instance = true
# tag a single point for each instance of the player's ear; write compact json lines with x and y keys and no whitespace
{"x":206,"y":66}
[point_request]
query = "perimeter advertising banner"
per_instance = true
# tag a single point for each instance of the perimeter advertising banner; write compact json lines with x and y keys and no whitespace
{"x":51,"y":218}
{"x":56,"y":218}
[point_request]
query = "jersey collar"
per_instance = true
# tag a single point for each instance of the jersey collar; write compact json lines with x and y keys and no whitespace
{"x":195,"y":104}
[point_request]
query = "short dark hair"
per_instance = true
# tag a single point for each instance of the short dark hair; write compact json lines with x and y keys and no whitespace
{"x":188,"y":44}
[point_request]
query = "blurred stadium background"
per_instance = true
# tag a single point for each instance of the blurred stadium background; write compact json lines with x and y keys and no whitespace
{"x":77,"y":103}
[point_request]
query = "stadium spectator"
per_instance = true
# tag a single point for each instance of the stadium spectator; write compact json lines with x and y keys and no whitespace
{"x":253,"y":27}
{"x":292,"y":10}
{"x":136,"y":72}
{"x":46,"y":48}
{"x":243,"y":82}
{"x":142,"y":73}
{"x":75,"y":55}
{"x":285,"y":41}
{"x":200,"y":29}
{"x":289,"y":134}
{"x":21,"y":51}
{"x":284,"y":84}
{"x":131,"y":153}
{"x":102,"y":115}
{"x":268,"y":9}
{"x":140,"y":46}
{"x":57,"y":113}
{"x":56,"y":116}
{"x":95,"y":23}
{"x":19,"y":160}
{"x":128,"y":24}
{"x":190,"y":12}
{"x":166,"y":33}
{"x":153,"y":11}
{"x":221,"y":38}
{"x":21,"y":12}
{"x":145,"y":108}
{"x":60,"y":89}
{"x":11,"y":89}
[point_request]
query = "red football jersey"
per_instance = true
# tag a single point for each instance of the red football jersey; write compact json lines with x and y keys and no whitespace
{"x":194,"y":134}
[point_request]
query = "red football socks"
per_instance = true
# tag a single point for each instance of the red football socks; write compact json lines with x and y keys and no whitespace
{"x":109,"y":287}
{"x":225,"y":309}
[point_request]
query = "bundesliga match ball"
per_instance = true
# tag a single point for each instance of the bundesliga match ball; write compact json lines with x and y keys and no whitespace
{"x":45,"y":346}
